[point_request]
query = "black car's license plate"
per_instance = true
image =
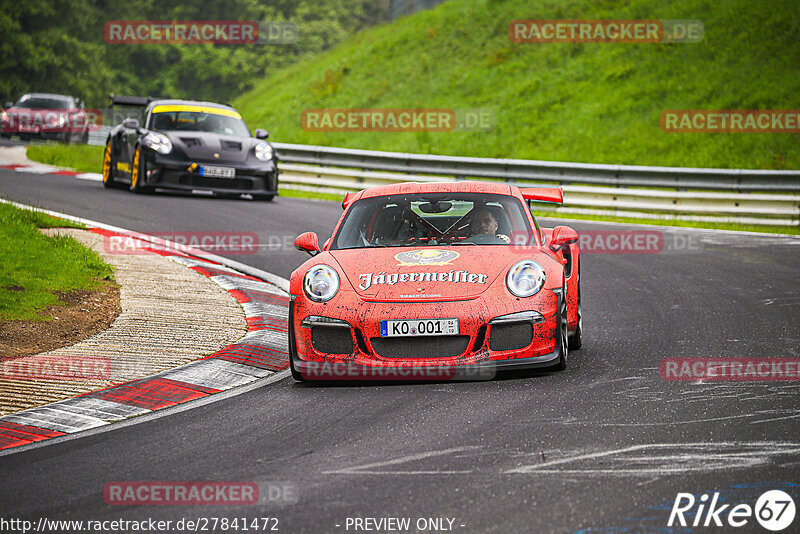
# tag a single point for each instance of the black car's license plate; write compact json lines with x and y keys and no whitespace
{"x":217,"y":172}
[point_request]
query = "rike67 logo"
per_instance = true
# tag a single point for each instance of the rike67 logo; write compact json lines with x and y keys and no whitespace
{"x":774,"y":510}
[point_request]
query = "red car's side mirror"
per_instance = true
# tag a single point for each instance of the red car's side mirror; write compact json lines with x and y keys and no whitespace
{"x":562,"y":236}
{"x":307,"y":242}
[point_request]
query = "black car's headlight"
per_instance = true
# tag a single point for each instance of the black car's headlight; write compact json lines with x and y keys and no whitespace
{"x":158,"y":142}
{"x":263,"y":151}
{"x":321,"y":283}
{"x":525,"y":278}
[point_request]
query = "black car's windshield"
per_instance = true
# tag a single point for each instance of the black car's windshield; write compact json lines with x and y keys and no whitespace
{"x":223,"y":122}
{"x":456,"y":219}
{"x":39,"y":102}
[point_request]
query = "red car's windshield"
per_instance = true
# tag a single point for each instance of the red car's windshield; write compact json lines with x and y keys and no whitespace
{"x":37,"y":102}
{"x":435,"y":219}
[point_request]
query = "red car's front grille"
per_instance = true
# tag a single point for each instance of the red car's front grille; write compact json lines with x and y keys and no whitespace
{"x":420,"y":347}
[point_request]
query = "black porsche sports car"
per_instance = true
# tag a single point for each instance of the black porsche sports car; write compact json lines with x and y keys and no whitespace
{"x":188,"y":146}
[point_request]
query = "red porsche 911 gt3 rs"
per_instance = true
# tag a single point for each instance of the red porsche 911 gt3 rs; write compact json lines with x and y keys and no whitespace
{"x":435,"y":280}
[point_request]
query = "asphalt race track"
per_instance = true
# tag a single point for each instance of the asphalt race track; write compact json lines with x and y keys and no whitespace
{"x":604,"y":446}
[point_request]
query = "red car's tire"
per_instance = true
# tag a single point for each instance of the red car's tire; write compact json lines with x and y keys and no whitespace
{"x":562,"y":342}
{"x":575,"y":340}
{"x":292,"y":348}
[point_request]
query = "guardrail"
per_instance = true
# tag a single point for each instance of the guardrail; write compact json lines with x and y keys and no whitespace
{"x":709,"y":195}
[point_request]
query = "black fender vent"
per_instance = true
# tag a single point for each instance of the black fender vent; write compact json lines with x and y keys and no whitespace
{"x":191,"y":141}
{"x":231,"y":145}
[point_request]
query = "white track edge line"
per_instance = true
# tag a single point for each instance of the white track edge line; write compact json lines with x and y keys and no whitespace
{"x":152,"y":415}
{"x":280,"y":282}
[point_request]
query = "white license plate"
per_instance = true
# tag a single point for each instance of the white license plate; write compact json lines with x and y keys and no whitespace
{"x":28,"y":129}
{"x":419,"y":327}
{"x":217,"y":172}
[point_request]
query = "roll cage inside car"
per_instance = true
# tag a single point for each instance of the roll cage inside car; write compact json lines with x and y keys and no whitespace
{"x":431,"y":219}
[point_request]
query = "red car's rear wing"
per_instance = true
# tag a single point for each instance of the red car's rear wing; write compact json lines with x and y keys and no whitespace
{"x":543,"y":194}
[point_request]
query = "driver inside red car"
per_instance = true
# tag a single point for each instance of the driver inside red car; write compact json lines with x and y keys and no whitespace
{"x":484,"y":222}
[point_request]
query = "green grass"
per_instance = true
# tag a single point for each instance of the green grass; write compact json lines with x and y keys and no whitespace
{"x":34,"y":218}
{"x":34,"y":265}
{"x":594,"y":103}
{"x":296,"y":193}
{"x":82,"y":158}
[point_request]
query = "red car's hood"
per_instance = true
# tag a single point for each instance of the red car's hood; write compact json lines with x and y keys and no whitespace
{"x":424,"y":274}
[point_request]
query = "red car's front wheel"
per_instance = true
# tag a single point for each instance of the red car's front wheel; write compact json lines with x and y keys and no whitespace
{"x":575,"y":338}
{"x":562,"y":334}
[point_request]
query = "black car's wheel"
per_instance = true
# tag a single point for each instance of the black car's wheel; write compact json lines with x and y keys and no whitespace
{"x":575,"y":340}
{"x":108,"y":168}
{"x":139,"y":173}
{"x":561,"y":335}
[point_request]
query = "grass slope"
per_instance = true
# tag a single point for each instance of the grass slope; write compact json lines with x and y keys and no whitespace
{"x":34,"y":265}
{"x":597,"y":103}
{"x":82,"y":158}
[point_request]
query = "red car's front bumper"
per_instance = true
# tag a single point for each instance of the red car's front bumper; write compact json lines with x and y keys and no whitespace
{"x":343,"y":341}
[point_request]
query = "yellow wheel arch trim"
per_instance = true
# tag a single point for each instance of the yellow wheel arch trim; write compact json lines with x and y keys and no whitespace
{"x":107,"y":162}
{"x":197,"y":109}
{"x":135,"y":170}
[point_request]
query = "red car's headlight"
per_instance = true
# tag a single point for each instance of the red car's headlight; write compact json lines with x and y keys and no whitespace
{"x":525,"y":278}
{"x":321,"y":283}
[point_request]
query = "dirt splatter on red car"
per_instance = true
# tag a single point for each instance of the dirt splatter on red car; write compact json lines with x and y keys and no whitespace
{"x":436,"y":281}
